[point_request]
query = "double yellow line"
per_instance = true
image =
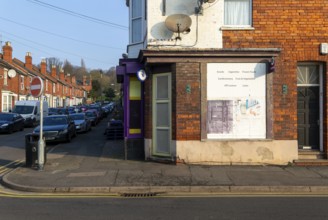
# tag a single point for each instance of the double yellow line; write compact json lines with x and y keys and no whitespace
{"x":4,"y":169}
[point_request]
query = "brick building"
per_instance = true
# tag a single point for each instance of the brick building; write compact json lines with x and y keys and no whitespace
{"x":16,"y":76}
{"x":228,"y":81}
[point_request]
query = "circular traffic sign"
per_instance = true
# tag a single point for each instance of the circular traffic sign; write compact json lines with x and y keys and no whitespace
{"x":36,"y":87}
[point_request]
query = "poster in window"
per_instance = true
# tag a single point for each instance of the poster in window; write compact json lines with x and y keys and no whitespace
{"x":236,"y":106}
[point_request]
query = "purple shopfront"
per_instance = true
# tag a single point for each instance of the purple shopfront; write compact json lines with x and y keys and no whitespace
{"x":133,"y":100}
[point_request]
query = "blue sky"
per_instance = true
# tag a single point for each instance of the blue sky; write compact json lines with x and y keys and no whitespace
{"x":96,"y":31}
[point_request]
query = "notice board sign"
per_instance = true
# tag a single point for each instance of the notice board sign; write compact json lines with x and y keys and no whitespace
{"x":236,"y":103}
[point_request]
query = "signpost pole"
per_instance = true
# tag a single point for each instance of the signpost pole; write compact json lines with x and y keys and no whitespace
{"x":37,"y":91}
{"x":41,"y":143}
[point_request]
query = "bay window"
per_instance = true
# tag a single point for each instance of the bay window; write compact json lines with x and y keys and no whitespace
{"x":136,"y":19}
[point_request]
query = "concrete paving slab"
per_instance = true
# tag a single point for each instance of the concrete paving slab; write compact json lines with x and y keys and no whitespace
{"x":321,"y":170}
{"x":303,"y":172}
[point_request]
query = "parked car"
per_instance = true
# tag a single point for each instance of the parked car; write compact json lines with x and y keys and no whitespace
{"x":53,"y":111}
{"x":30,"y":111}
{"x":101,"y":113}
{"x":92,"y":116}
{"x":10,"y":122}
{"x":62,"y":111}
{"x":57,"y":128}
{"x":82,"y":123}
{"x":71,"y":110}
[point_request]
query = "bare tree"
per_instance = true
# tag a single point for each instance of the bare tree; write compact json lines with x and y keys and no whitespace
{"x":54,"y":61}
{"x":68,"y":67}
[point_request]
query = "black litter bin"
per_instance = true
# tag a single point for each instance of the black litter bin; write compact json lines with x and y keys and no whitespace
{"x":31,"y":150}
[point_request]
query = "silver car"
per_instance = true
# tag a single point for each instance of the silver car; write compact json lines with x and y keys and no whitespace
{"x":82,"y":123}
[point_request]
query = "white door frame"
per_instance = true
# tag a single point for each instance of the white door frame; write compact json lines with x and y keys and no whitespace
{"x":154,"y":115}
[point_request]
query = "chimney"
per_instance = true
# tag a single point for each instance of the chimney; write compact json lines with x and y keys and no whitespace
{"x":28,"y":60}
{"x":54,"y":71}
{"x":7,"y":52}
{"x":68,"y":78}
{"x":43,"y":66}
{"x":61,"y":75}
{"x":73,"y":80}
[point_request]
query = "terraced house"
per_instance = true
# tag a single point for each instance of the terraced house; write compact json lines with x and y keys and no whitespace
{"x":227,"y":81}
{"x":60,"y":90}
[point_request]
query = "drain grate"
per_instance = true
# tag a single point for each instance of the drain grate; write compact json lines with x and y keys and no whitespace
{"x":139,"y":195}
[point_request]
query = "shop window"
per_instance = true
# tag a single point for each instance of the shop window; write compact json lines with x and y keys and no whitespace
{"x":238,"y":13}
{"x":134,"y":106}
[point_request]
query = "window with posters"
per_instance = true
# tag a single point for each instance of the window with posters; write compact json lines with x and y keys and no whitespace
{"x":236,"y":100}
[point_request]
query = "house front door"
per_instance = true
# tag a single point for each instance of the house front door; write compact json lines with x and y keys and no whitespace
{"x":308,"y":106}
{"x":308,"y":116}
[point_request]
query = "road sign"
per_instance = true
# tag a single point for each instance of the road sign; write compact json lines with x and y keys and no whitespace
{"x":36,"y":87}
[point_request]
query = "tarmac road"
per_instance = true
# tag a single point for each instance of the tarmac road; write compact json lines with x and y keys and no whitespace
{"x":227,"y":207}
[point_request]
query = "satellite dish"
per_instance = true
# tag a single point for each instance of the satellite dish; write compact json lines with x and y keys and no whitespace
{"x":11,"y":73}
{"x":178,"y":23}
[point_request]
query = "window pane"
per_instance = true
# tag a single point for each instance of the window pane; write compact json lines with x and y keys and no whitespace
{"x":162,"y":114}
{"x":162,"y":87}
{"x":237,"y":12}
{"x":163,"y":145}
{"x":136,"y":8}
{"x":308,"y":74}
{"x":136,"y":30}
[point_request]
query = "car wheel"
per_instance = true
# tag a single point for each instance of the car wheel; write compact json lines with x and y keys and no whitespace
{"x":34,"y":123}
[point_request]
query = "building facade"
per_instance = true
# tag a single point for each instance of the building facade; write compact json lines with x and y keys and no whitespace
{"x":229,"y":81}
{"x":60,"y":90}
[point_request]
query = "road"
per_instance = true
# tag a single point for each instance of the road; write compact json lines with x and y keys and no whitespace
{"x":12,"y":146}
{"x":229,"y":207}
{"x":19,"y":205}
{"x":12,"y":150}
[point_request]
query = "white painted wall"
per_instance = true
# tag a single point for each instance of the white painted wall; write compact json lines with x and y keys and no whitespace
{"x":243,"y":152}
{"x":204,"y":32}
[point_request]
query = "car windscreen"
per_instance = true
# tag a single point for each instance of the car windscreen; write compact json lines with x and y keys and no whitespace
{"x":78,"y":117}
{"x":23,"y":109}
{"x":54,"y":121}
{"x":6,"y":117}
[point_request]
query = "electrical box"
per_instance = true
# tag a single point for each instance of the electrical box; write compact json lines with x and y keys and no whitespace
{"x":324,"y":48}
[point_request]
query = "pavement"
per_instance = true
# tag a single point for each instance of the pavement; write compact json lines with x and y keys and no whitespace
{"x":76,"y":170}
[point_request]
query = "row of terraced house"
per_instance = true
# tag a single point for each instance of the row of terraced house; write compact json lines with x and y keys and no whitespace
{"x":60,"y":90}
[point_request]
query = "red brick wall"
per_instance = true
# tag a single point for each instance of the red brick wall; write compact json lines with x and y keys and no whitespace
{"x":187,"y":106}
{"x":148,"y":108}
{"x":297,"y":27}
